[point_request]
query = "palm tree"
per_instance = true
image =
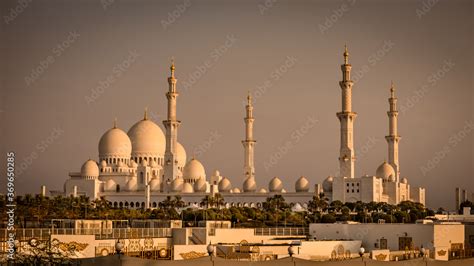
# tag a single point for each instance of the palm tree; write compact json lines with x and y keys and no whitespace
{"x":371,"y":206}
{"x":275,"y":203}
{"x":317,"y":204}
{"x":178,"y":202}
{"x":208,"y":201}
{"x":166,"y":203}
{"x":219,"y":199}
{"x":337,"y":205}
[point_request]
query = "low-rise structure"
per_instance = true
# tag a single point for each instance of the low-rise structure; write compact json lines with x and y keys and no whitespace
{"x":441,"y":240}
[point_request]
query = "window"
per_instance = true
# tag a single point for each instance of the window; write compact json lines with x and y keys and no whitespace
{"x":357,"y":191}
{"x":352,"y":191}
{"x":352,"y":184}
{"x":357,"y":184}
{"x":348,"y":191}
{"x":347,"y":184}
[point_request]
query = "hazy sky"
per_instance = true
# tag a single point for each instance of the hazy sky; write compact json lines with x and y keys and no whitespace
{"x":70,"y":67}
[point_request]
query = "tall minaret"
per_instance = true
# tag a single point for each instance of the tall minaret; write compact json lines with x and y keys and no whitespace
{"x":171,"y":125}
{"x":393,"y":138}
{"x":249,"y":142}
{"x":346,"y":118}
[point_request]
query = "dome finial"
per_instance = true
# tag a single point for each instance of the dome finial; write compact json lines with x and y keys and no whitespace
{"x":392,"y":90}
{"x":145,"y":116}
{"x":115,"y":122}
{"x":346,"y":55}
{"x":172,"y":67}
{"x":249,"y":98}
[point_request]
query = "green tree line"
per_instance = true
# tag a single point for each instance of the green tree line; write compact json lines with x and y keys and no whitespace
{"x":36,"y":211}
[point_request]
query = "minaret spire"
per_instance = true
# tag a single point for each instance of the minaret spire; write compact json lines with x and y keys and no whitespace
{"x":115,"y":122}
{"x":145,"y":115}
{"x":172,"y":67}
{"x":346,"y":118}
{"x":346,"y":55}
{"x":393,"y":138}
{"x":249,"y":142}
{"x":171,"y":126}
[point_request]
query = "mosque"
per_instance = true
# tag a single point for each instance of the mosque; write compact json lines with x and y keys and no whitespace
{"x":143,"y":166}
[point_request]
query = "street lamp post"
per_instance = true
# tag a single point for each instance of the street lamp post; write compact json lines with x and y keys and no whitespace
{"x":210,"y":251}
{"x":291,"y":250}
{"x":118,"y":249}
{"x":361,"y":253}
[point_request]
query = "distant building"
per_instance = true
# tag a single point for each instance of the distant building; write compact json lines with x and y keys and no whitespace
{"x":142,"y":167}
{"x":461,"y":196}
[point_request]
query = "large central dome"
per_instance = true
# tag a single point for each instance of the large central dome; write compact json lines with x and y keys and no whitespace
{"x":147,"y":139}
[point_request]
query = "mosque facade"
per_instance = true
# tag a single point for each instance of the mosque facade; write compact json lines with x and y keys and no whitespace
{"x":144,"y":166}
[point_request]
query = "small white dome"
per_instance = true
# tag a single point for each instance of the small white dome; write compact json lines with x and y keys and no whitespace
{"x":385,"y":171}
{"x":155,"y":184}
{"x":224,"y":185}
{"x":302,"y":184}
{"x":154,"y":164}
{"x":103,"y":164}
{"x":147,"y":139}
{"x":262,"y":190}
{"x":250,"y":185}
{"x":404,"y":180}
{"x":327,"y":184}
{"x":283,"y":190}
{"x":235,"y":190}
{"x":200,"y":185}
{"x":132,"y":184}
{"x":275,"y":185}
{"x":181,"y":155}
{"x":144,"y":163}
{"x":110,"y":186}
{"x":217,"y":173}
{"x":187,"y":188}
{"x":193,"y":171}
{"x":90,"y":169}
{"x":177,"y":185}
{"x":115,"y":143}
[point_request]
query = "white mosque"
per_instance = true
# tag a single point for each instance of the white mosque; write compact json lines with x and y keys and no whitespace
{"x":142,"y":167}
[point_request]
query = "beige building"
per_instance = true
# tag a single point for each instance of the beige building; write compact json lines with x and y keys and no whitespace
{"x":440,"y":239}
{"x":143,"y":166}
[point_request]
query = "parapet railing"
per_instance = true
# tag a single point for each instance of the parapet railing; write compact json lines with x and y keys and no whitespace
{"x":25,"y":234}
{"x":282,"y":231}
